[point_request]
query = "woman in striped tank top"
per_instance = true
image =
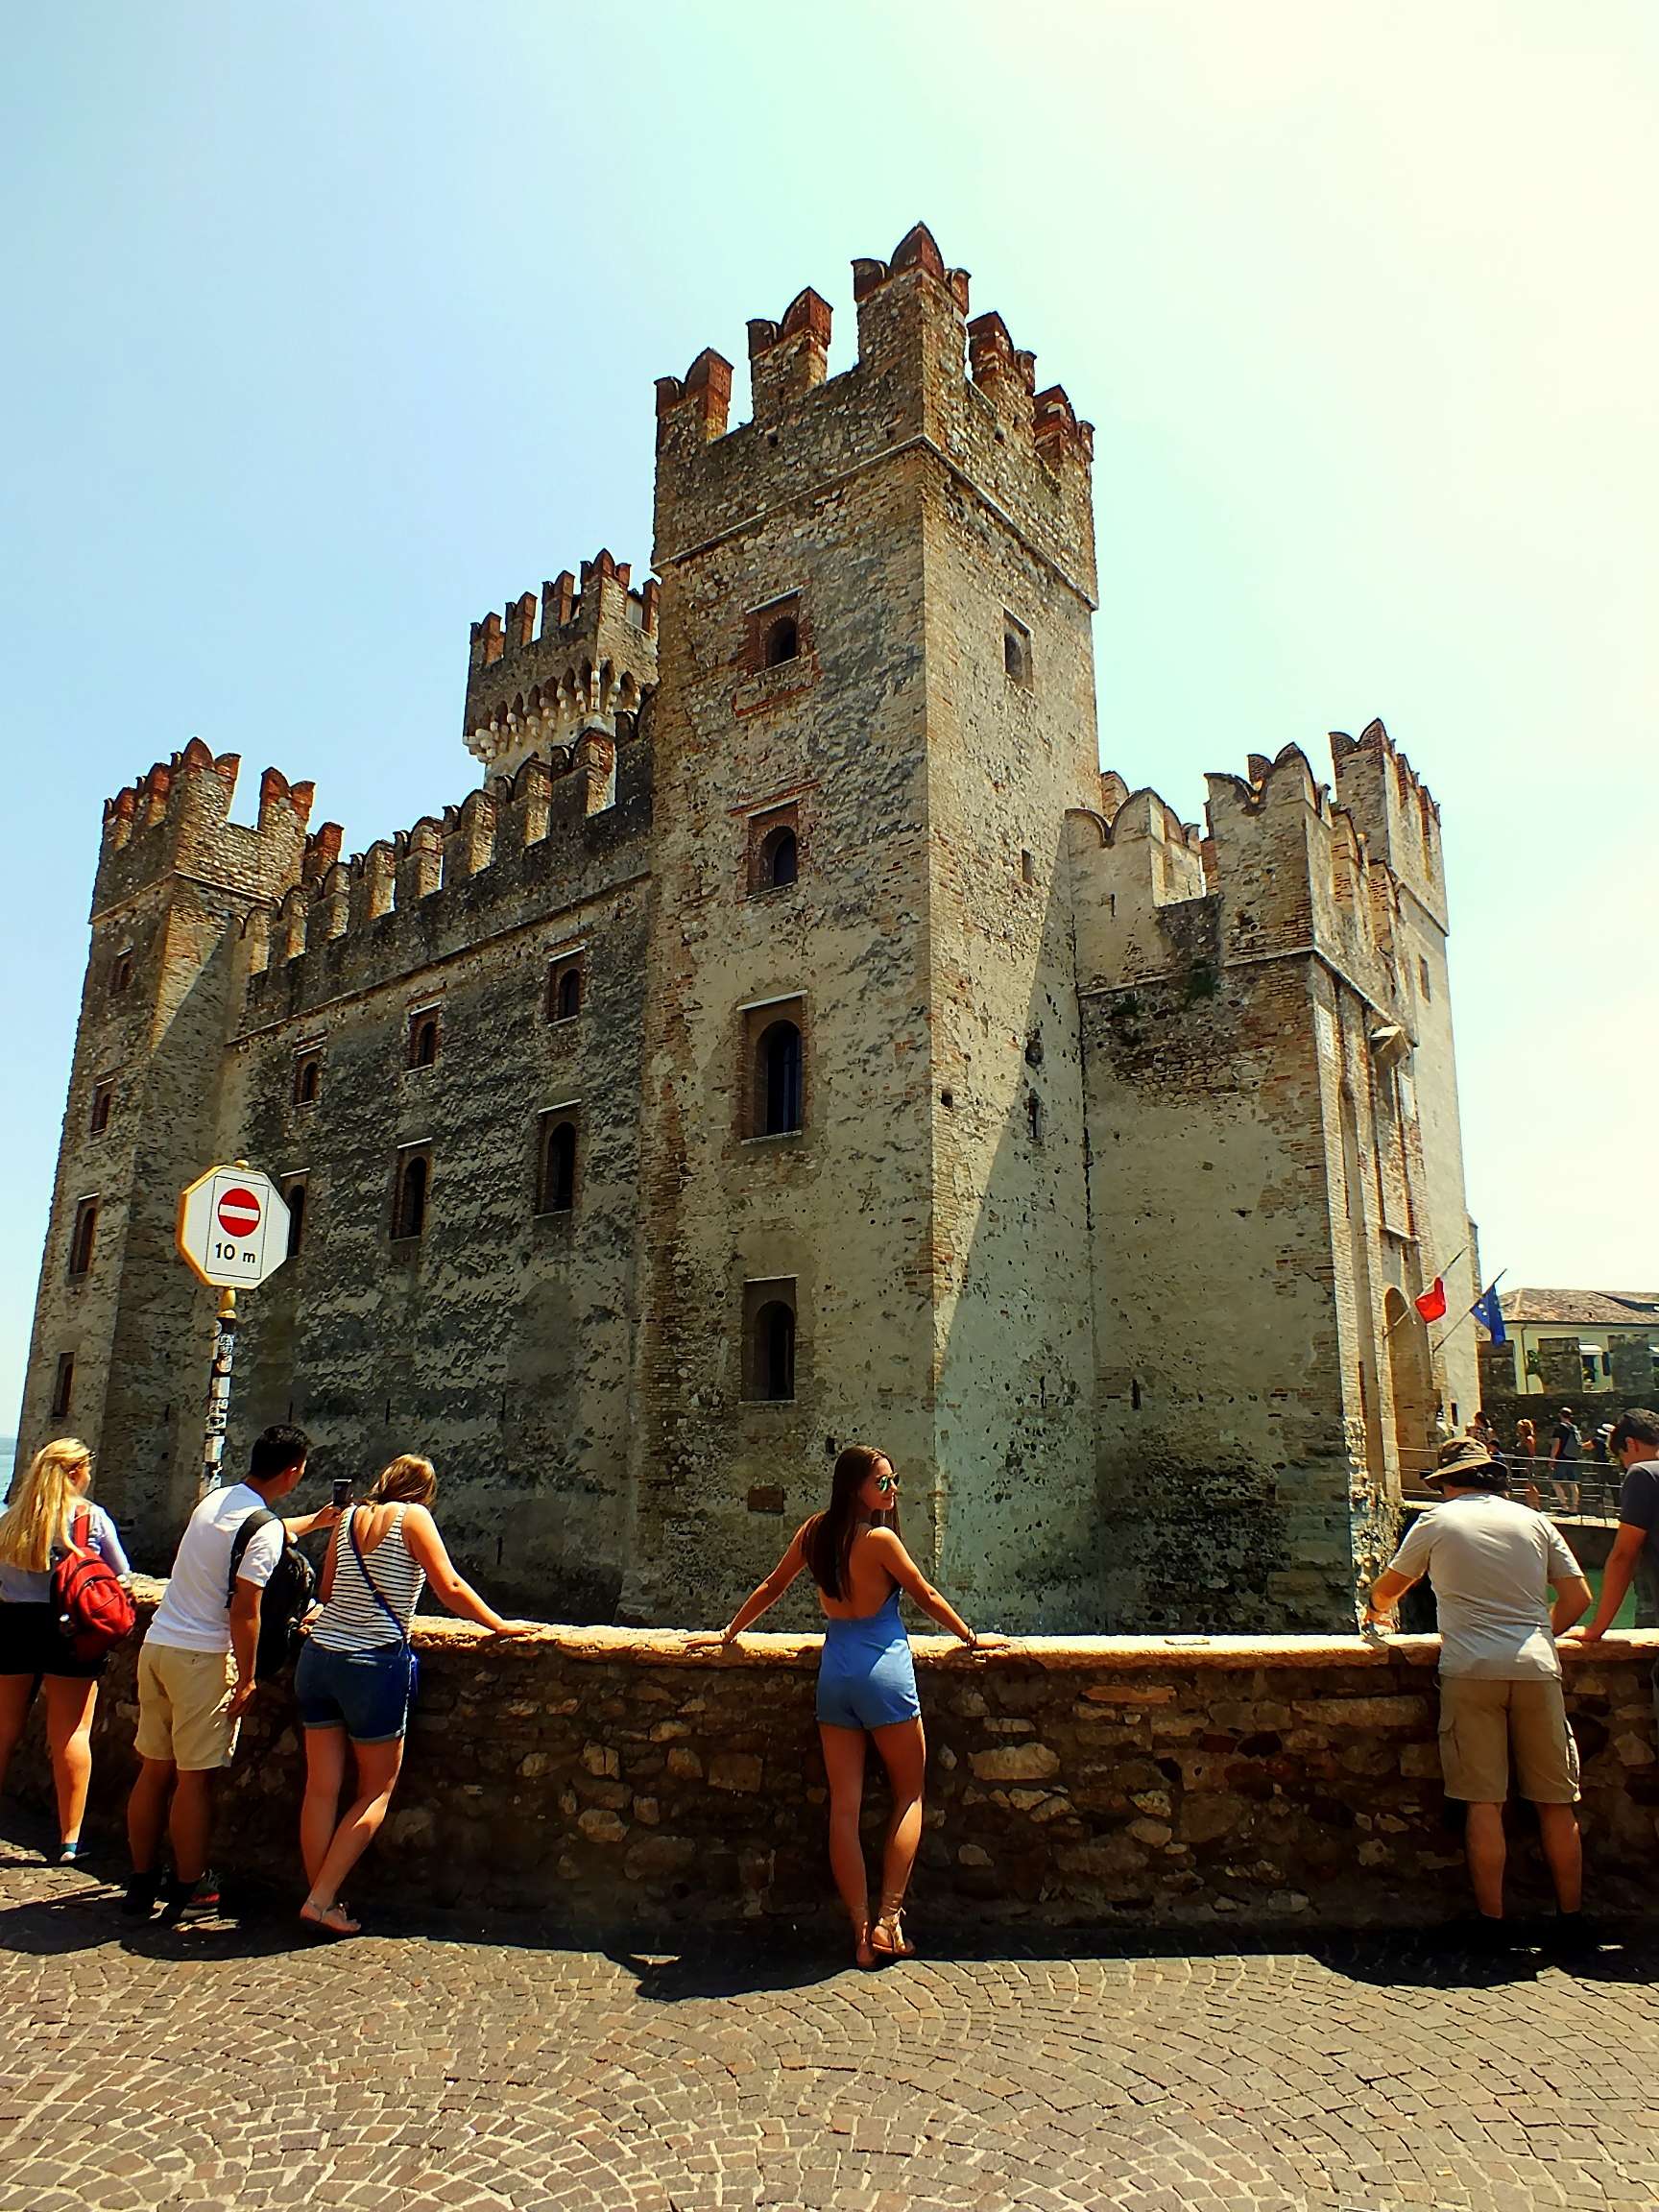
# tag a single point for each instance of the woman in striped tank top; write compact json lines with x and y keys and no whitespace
{"x":356,"y":1673}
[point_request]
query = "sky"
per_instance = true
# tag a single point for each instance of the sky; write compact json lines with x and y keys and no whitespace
{"x":334,"y":327}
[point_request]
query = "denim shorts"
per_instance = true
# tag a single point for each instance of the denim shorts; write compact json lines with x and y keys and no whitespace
{"x":365,"y":1692}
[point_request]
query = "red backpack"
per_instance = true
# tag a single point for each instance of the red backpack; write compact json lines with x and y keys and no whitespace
{"x":93,"y":1612}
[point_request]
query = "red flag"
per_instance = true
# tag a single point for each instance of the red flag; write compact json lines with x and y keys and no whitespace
{"x":1432,"y":1303}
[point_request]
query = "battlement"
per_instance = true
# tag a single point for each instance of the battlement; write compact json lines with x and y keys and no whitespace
{"x":924,"y":373}
{"x":176,"y":818}
{"x":1283,"y":867}
{"x":531,"y":689}
{"x":1396,"y":809}
{"x":549,"y":794}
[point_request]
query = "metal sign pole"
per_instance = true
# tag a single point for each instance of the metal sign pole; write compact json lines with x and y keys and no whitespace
{"x":218,"y":1392}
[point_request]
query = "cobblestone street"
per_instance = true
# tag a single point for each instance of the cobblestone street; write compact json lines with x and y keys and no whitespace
{"x":220,"y":2066}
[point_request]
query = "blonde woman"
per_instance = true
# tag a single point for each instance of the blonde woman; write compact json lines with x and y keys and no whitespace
{"x":356,"y":1675}
{"x":46,"y":1516}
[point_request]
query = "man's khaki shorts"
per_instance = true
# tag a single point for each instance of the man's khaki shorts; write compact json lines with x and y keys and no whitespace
{"x":1480,"y":1721}
{"x":184,"y":1701}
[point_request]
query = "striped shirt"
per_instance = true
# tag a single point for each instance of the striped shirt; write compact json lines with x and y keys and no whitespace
{"x":353,"y":1619}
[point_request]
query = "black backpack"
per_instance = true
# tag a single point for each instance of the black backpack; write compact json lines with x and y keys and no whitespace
{"x":288,"y":1597}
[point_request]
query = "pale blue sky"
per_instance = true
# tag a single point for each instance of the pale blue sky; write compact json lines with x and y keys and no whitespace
{"x":333,"y":327}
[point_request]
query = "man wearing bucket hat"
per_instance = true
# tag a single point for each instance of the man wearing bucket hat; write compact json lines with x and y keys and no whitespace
{"x":1493,"y":1564}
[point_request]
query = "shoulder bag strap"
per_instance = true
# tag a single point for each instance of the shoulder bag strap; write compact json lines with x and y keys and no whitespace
{"x":374,"y":1589}
{"x":247,"y":1530}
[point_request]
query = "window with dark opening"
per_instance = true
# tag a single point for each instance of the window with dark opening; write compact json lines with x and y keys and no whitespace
{"x":62,"y":1385}
{"x":778,"y":857}
{"x":423,"y":1039}
{"x":783,"y":641}
{"x":1034,"y":1116}
{"x":1423,"y":978}
{"x":564,"y":990}
{"x":121,"y":975}
{"x":775,"y":1350}
{"x":102,"y":1100}
{"x":414,"y":1185}
{"x":82,"y":1237}
{"x":1017,"y":651}
{"x":777,"y":1080}
{"x":307,"y":1078}
{"x":294,"y":1194}
{"x":557,"y":1182}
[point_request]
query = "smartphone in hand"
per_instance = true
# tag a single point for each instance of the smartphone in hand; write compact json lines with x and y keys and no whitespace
{"x":342,"y":1492}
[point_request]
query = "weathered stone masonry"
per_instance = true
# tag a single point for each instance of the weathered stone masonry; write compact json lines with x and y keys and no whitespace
{"x":1113,"y":1152}
{"x":604,"y":1777}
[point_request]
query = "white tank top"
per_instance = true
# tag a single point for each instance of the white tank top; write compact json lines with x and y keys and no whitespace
{"x":353,"y":1619}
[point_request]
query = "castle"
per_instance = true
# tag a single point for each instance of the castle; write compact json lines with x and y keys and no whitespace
{"x":796,"y":1038}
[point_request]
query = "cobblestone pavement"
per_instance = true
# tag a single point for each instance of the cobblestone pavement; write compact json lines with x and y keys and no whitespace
{"x":219,"y":2066}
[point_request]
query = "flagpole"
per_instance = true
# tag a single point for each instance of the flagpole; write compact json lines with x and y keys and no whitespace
{"x":1440,"y":1273}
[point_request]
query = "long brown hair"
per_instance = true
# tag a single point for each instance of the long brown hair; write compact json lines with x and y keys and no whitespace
{"x":827,"y":1544}
{"x":408,"y":1480}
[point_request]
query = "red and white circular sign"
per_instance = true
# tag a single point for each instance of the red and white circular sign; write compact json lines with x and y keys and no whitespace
{"x":239,"y":1211}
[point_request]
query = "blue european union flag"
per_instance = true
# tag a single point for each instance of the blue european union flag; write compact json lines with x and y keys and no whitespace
{"x":1490,"y":1314}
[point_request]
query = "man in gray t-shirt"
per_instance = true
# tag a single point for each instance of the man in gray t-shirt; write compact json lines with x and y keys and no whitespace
{"x":1493,"y":1564}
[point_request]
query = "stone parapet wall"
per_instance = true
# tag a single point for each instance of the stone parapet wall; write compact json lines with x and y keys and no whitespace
{"x":608,"y":1778}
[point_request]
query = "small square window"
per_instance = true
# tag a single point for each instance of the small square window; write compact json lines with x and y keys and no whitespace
{"x":1015,"y":651}
{"x":564,"y":988}
{"x":83,"y":1237}
{"x":103,"y":1104}
{"x":307,"y":1078}
{"x":62,"y":1385}
{"x":776,"y":633}
{"x":423,"y":1037}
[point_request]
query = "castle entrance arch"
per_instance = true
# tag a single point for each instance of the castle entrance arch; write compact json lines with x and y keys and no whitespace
{"x":1411,"y":1385}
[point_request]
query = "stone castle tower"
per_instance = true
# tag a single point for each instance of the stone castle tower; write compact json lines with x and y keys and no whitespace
{"x":797,"y":1040}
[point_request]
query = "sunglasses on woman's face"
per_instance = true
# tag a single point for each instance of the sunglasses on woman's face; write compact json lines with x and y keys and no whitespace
{"x":886,"y":1482}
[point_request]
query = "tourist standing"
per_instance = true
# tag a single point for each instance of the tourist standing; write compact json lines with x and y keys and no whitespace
{"x":356,"y":1675}
{"x":196,"y":1669}
{"x":1526,"y":1460}
{"x":1564,"y":1462}
{"x":1635,"y":1552}
{"x":1493,"y":1564}
{"x":866,"y":1679}
{"x":46,"y":1517}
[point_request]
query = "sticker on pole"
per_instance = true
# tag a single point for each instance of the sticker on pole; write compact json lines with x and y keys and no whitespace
{"x":232,"y":1227}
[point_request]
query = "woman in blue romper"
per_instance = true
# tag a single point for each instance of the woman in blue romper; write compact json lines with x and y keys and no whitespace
{"x":866,"y":1682}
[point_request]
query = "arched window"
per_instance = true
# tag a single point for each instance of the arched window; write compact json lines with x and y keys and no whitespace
{"x":307,"y":1078}
{"x":779,"y":857}
{"x":121,"y":975}
{"x":777,"y":1080}
{"x":775,"y":1350}
{"x":1016,"y":652}
{"x":413,"y":1180}
{"x":423,"y":1039}
{"x":558,"y":1192}
{"x":783,"y":641}
{"x":565,"y":992}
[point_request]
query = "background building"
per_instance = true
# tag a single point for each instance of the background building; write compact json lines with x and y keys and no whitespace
{"x":797,"y":1039}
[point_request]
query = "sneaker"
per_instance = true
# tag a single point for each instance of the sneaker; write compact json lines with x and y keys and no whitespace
{"x":189,"y":1900}
{"x":138,"y":1900}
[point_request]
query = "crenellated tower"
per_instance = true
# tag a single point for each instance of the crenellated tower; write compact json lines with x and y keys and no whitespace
{"x":118,"y":1346}
{"x":864,"y":1197}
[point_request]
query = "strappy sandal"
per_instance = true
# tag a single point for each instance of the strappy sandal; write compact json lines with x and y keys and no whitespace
{"x":887,"y":1938}
{"x":863,"y":1956}
{"x":330,"y":1920}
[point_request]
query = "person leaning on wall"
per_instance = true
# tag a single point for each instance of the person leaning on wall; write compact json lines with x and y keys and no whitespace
{"x":1635,"y":1554}
{"x":1493,"y":1564}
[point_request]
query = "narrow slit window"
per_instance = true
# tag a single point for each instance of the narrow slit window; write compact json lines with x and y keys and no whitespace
{"x":777,"y":1080}
{"x":307,"y":1078}
{"x":121,"y":975}
{"x":1017,"y":652}
{"x":414,"y":1191}
{"x":564,"y":990}
{"x":294,"y":1194}
{"x":84,"y":1236}
{"x":103,"y":1103}
{"x":62,"y":1385}
{"x":556,"y":1191}
{"x":422,"y":1039}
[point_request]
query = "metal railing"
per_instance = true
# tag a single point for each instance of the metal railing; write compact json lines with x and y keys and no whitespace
{"x":1586,"y":1490}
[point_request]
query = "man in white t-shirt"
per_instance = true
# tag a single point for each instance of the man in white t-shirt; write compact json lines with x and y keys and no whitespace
{"x":1493,"y":1564}
{"x":196,"y":1668}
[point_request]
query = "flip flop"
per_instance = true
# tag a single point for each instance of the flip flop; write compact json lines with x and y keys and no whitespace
{"x":332,"y":1920}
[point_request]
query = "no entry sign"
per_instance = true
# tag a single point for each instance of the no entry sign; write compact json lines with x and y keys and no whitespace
{"x":233,"y":1227}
